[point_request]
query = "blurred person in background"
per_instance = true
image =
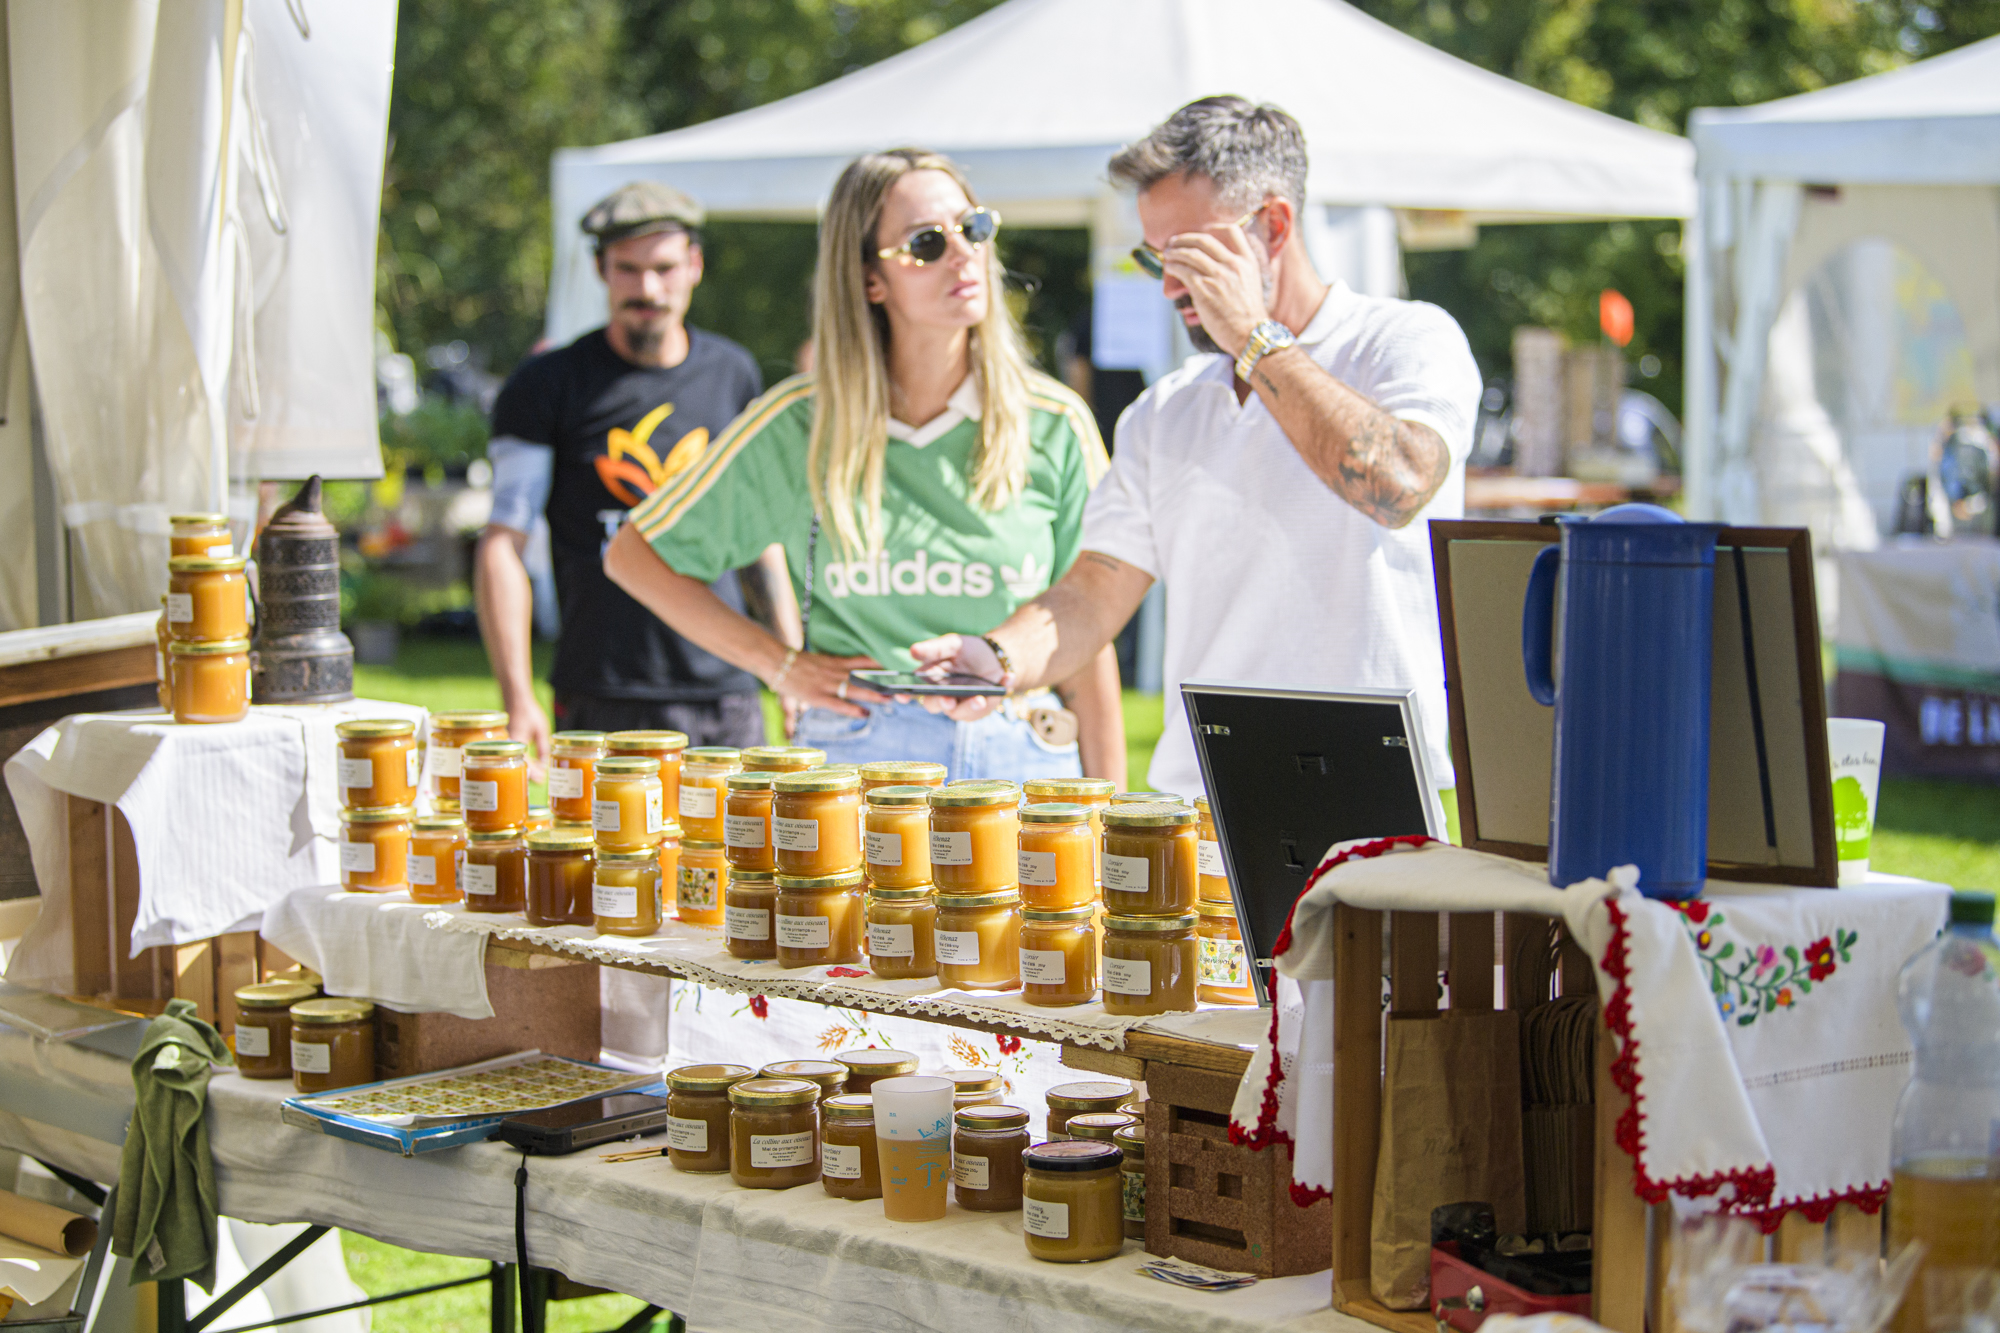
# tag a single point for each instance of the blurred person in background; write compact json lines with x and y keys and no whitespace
{"x":923,"y":479}
{"x":583,"y":433}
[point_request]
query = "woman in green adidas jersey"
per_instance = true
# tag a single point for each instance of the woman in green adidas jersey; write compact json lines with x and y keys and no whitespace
{"x":924,"y":478}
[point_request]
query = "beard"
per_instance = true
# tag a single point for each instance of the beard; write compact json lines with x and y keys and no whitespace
{"x":645,"y":334}
{"x":1198,"y":335}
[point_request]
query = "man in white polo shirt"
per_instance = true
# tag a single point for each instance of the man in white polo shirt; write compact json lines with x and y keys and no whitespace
{"x":1279,"y":488}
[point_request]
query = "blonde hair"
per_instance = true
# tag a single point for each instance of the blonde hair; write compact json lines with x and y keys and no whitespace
{"x":850,"y":427}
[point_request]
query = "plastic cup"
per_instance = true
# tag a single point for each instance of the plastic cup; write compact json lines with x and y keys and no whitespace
{"x":1854,"y":749}
{"x":913,"y":1143}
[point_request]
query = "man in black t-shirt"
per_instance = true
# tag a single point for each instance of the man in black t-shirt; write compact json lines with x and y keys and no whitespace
{"x":583,"y":433}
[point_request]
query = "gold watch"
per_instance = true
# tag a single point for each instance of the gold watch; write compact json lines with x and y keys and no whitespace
{"x":1265,"y":339}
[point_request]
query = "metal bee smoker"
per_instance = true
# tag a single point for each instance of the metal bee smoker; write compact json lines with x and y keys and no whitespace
{"x":300,"y":655}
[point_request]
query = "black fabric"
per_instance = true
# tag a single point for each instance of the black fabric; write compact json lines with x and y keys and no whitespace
{"x":735,"y":719}
{"x":596,"y":410}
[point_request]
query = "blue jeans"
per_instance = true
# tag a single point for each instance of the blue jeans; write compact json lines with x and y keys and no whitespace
{"x":996,"y":746}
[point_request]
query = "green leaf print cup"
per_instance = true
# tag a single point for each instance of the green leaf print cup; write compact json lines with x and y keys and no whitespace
{"x":1854,"y":749}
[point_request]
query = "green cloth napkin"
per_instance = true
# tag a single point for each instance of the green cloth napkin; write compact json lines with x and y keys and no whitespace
{"x":166,"y":1178}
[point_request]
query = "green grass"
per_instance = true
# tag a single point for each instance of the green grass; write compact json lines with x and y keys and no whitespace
{"x":1946,"y":831}
{"x":380,"y":1269}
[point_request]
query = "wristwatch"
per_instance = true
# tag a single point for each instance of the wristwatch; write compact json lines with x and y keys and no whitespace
{"x":1000,"y":655}
{"x":1265,"y":339}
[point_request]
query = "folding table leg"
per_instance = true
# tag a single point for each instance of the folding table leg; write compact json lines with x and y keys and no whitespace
{"x":501,"y":1308}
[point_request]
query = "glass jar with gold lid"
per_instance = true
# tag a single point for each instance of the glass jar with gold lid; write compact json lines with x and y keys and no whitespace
{"x":750,"y":900}
{"x":815,"y":821}
{"x":781,"y":758}
{"x":1212,"y":877}
{"x":830,"y":1075}
{"x":703,"y":795}
{"x":773,"y":1133}
{"x":493,"y":785}
{"x":1222,"y":973}
{"x":1068,"y":1099}
{"x":560,"y":868}
{"x":746,"y":821}
{"x":495,"y":875}
{"x":1058,"y":856}
{"x":1149,"y":858}
{"x":628,"y":807}
{"x":986,"y":1145}
{"x":625,"y":893}
{"x":263,"y":1038}
{"x":333,"y":1043}
{"x":975,"y":834}
{"x":1150,"y":964}
{"x":867,"y":1067}
{"x":900,"y":773}
{"x":1131,"y":1140}
{"x":979,"y":940}
{"x":199,"y":534}
{"x":666,"y":748}
{"x":902,"y":932}
{"x":379,"y":762}
{"x":698,"y":1115}
{"x":450,"y":733}
{"x":1099,"y":1125}
{"x":1072,"y":1204}
{"x":701,"y":883}
{"x":974,"y":1087}
{"x":1147,"y":797}
{"x":896,"y":838}
{"x":1059,"y":955}
{"x":572,"y":773}
{"x":818,"y":919}
{"x":1091,"y":793}
{"x":209,"y":682}
{"x":161,"y":668}
{"x":437,"y":852}
{"x":375,"y":849}
{"x":208,"y":598}
{"x":850,"y":1165}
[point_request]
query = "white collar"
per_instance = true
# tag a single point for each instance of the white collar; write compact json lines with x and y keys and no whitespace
{"x":963,"y":405}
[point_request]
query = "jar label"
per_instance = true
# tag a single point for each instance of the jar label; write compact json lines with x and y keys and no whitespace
{"x":958,"y":946}
{"x":1208,"y":859}
{"x":840,"y":1161}
{"x":1126,"y":874}
{"x":805,"y":932}
{"x":972,"y":1173}
{"x":447,"y":761}
{"x":480,"y":881}
{"x":697,"y":802}
{"x":794,"y":835}
{"x":1038,"y":869}
{"x":483,"y":797}
{"x":566,"y":784}
{"x":746,"y":923}
{"x":687,"y":1135}
{"x":1128,"y":976}
{"x":656,"y":806}
{"x":698,"y":888}
{"x":1222,"y":963}
{"x":604,"y":816}
{"x":1042,"y":967}
{"x":617,"y":901}
{"x":424,"y":870}
{"x":891,"y":941}
{"x":311,"y":1057}
{"x":776,"y":1150}
{"x":180,"y":608}
{"x":357,"y":772}
{"x":1050,"y":1221}
{"x":252,"y":1040}
{"x":884,"y":849}
{"x":1133,"y":1188}
{"x":951,"y":849}
{"x":742,"y":830}
{"x":220,"y":551}
{"x":357,"y":858}
{"x":413,"y":765}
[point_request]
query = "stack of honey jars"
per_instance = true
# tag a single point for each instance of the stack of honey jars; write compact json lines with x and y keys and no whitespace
{"x":896,"y":858}
{"x":204,"y":637}
{"x":378,"y":769}
{"x":974,"y":833}
{"x":818,"y":914}
{"x":1223,"y":968}
{"x":637,"y":845}
{"x":1149,"y":959}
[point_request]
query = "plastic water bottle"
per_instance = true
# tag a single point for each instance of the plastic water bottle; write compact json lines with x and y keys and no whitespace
{"x":1946,"y":1149}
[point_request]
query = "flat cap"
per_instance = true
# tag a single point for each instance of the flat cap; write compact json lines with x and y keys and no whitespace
{"x":640,"y":208}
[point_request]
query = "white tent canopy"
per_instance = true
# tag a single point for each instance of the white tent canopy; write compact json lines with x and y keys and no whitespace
{"x":1034,"y":96}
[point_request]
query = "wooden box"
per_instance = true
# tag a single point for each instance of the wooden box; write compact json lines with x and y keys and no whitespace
{"x":552,"y":1007}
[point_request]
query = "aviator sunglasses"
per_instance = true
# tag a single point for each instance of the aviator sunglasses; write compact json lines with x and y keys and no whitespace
{"x":927,"y":245}
{"x":1153,"y":266}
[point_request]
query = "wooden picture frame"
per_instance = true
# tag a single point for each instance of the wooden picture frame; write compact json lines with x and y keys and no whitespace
{"x":1770,"y":783}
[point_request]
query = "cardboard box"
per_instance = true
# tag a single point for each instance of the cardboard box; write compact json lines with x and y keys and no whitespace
{"x":552,"y":1009}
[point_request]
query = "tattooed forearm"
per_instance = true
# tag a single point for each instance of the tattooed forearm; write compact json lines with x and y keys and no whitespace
{"x":1390,"y":469}
{"x":1270,"y":385}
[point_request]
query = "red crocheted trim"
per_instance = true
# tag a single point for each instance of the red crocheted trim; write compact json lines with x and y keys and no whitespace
{"x":1818,"y":1207}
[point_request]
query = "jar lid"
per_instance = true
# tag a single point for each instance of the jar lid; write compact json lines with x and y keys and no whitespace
{"x":973,"y":1080}
{"x":1136,"y":797}
{"x":211,"y":648}
{"x":275,"y":994}
{"x":1061,"y":787}
{"x":561,"y":840}
{"x":375,"y":814}
{"x":783,"y":758}
{"x":707,"y":1078}
{"x":1202,"y":806}
{"x":693,"y":844}
{"x":1209,"y":907}
{"x":991,"y":1115}
{"x":368,"y":728}
{"x":773,"y":1092}
{"x":712,"y":755}
{"x":438,"y":824}
{"x":846,"y":879}
{"x":496,"y":750}
{"x":848,"y":1106}
{"x":995,"y":898}
{"x":878,"y":1063}
{"x":1055,"y":812}
{"x":1131,"y":1139}
{"x":644,"y":856}
{"x":541,"y":814}
{"x":577,"y":742}
{"x":493,"y":837}
{"x":1135,"y":1108}
{"x":976,"y":794}
{"x":647,"y":742}
{"x":627,"y":766}
{"x":444,"y":805}
{"x":1097,"y":1124}
{"x":207,"y":564}
{"x":188,"y":520}
{"x":915,"y":894}
{"x":1178,"y":921}
{"x":332,"y":1009}
{"x":752,"y":879}
{"x":826,"y":1073}
{"x":817,"y":780}
{"x":1067,"y":1155}
{"x":1149,"y":814}
{"x":467,"y":719}
{"x":1080,"y":913}
{"x":1088,"y":1096}
{"x":904,"y":795}
{"x":756,"y":779}
{"x":903,"y":771}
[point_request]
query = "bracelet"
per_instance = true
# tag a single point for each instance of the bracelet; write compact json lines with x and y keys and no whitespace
{"x":791,"y":656}
{"x":1000,"y":655}
{"x":1269,"y":336}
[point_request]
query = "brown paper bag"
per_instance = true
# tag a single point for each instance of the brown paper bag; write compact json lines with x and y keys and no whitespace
{"x":1451,"y":1133}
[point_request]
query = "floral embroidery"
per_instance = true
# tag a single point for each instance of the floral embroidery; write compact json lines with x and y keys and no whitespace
{"x":1760,"y":979}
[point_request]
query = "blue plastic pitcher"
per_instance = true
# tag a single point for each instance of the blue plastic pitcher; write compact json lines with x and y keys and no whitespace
{"x":1630,"y":781}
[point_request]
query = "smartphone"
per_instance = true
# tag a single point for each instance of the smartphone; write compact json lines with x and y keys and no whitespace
{"x":574,"y":1126}
{"x":952,"y":685}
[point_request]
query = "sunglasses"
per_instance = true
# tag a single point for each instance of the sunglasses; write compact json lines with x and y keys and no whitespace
{"x":1154,"y":266}
{"x":927,"y":245}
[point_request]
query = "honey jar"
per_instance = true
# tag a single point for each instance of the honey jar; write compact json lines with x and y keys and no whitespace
{"x":628,"y":810}
{"x":986,"y":1146}
{"x":161,"y":671}
{"x":902,"y":932}
{"x":450,"y":734}
{"x":493,"y":786}
{"x":900,"y":773}
{"x":1068,"y":1099}
{"x":1212,"y":877}
{"x":973,"y":1087}
{"x":264,"y":1027}
{"x":746,"y":821}
{"x":1149,"y":964}
{"x":698,"y":1116}
{"x":782,"y":758}
{"x":379,"y":762}
{"x":495,"y":875}
{"x":896,"y":841}
{"x":375,"y":849}
{"x":975,"y":830}
{"x":199,"y":534}
{"x":850,"y":1165}
{"x":1091,"y":793}
{"x":1222,"y":969}
{"x":1149,"y":858}
{"x":437,"y":854}
{"x":539,"y":817}
{"x":1059,"y":955}
{"x":210,"y":681}
{"x":1147,"y":797}
{"x":333,"y":1044}
{"x":560,"y":869}
{"x":829,"y":1075}
{"x":1058,"y":857}
{"x":701,"y":883}
{"x":625,"y":893}
{"x":1072,"y":1204}
{"x":1099,"y":1125}
{"x":979,"y":940}
{"x":866,"y":1068}
{"x":664,"y":748}
{"x":815,"y":821}
{"x":773,"y":1133}
{"x":1131,"y":1141}
{"x":818,"y":919}
{"x":572,"y":773}
{"x":749,"y":900}
{"x":208,"y":598}
{"x":703,"y":800}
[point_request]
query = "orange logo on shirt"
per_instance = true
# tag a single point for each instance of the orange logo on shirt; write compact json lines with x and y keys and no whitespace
{"x":631,"y":470}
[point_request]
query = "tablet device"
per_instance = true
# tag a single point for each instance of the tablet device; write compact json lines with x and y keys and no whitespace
{"x":951,"y":685}
{"x":574,"y":1126}
{"x":1289,"y":773}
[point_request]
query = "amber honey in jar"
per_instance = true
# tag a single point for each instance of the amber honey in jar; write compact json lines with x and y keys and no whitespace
{"x":1091,"y":793}
{"x":749,"y":902}
{"x":973,"y":1087}
{"x":1131,"y":1140}
{"x":829,"y":1075}
{"x":698,"y":1116}
{"x":900,"y":773}
{"x":199,"y":534}
{"x":560,"y":868}
{"x":902,"y":932}
{"x":703,"y":801}
{"x":664,"y":748}
{"x":628,"y":808}
{"x":437,"y":855}
{"x":818,"y":919}
{"x":746,"y":821}
{"x":866,"y":1068}
{"x":1150,"y":964}
{"x":493,"y":785}
{"x":450,"y":734}
{"x":979,"y":940}
{"x":210,"y":682}
{"x":208,"y":598}
{"x":379,"y":762}
{"x":1059,"y":955}
{"x":333,"y":1044}
{"x":773,"y":1133}
{"x":1149,"y":858}
{"x":1212,"y":877}
{"x":264,"y":1027}
{"x":1068,"y":1099}
{"x":1072,"y":1203}
{"x":495,"y":875}
{"x":815,"y":821}
{"x":1058,"y":857}
{"x":375,"y":849}
{"x":572,"y":773}
{"x":975,"y":830}
{"x":986,"y":1146}
{"x":781,"y":758}
{"x":161,"y":670}
{"x":1222,"y":969}
{"x":700,"y":883}
{"x":850,"y":1165}
{"x":896,"y":837}
{"x":1099,"y":1125}
{"x":625,"y":893}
